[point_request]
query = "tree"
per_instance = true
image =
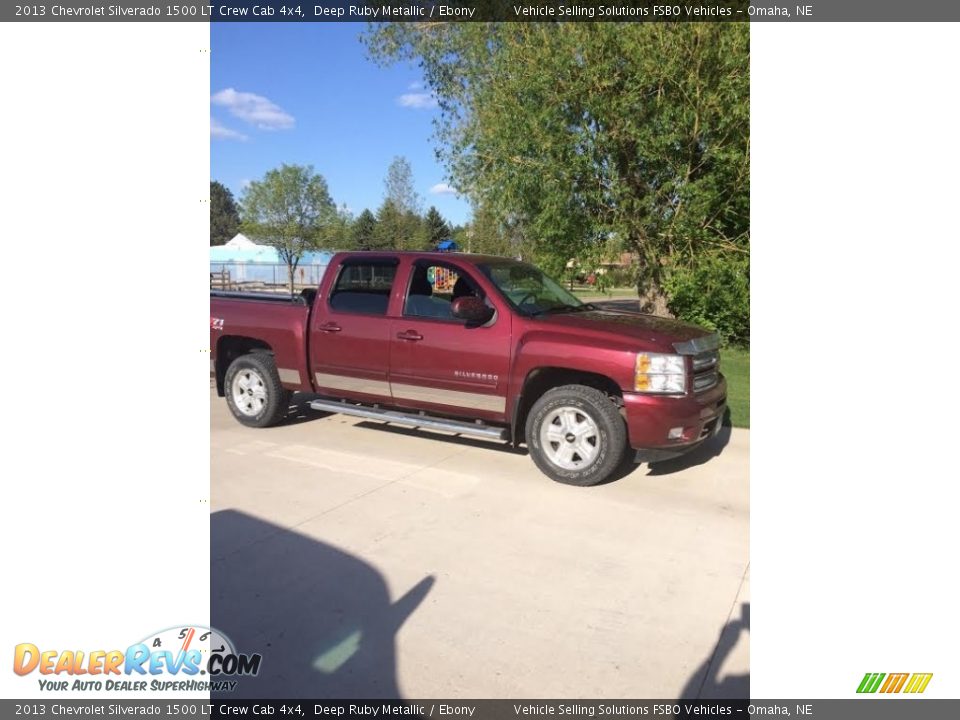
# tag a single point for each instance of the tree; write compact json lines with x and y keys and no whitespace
{"x":338,"y":235}
{"x":224,"y":215}
{"x":485,"y":233}
{"x":437,"y":229}
{"x":575,"y":133}
{"x":405,"y":231}
{"x":390,"y":227}
{"x":364,"y":229}
{"x":490,"y":235}
{"x":289,"y":209}
{"x":414,"y":234}
{"x":400,"y":188}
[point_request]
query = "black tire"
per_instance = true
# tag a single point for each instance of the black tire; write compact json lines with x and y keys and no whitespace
{"x":608,"y":432}
{"x":272,"y":400}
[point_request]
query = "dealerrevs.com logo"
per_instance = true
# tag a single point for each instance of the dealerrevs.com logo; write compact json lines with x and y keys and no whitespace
{"x":182,"y":659}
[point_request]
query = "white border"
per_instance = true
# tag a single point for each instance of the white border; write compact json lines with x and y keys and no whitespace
{"x":105,"y":171}
{"x":854,"y":267}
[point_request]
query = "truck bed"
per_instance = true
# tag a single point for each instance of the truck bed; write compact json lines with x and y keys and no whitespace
{"x":277,"y":321}
{"x":305,"y":297}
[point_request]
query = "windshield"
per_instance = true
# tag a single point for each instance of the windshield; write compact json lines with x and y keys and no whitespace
{"x":528,"y":289}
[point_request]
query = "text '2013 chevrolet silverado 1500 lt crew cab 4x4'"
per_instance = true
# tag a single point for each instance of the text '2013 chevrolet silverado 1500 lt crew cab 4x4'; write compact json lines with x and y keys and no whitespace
{"x":477,"y":345}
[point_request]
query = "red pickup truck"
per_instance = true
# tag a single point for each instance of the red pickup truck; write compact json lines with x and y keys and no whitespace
{"x":477,"y":345}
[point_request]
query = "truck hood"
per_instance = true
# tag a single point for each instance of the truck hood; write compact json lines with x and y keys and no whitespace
{"x":663,"y":333}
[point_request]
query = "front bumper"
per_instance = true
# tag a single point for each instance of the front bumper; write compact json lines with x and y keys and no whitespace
{"x":650,"y":418}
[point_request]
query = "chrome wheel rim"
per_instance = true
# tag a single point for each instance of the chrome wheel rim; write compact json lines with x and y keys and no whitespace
{"x":249,"y":392}
{"x":570,"y":438}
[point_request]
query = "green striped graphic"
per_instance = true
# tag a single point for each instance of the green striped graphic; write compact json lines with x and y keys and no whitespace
{"x":870,"y":682}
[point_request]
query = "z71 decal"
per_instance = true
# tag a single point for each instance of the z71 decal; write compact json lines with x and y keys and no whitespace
{"x":216,"y":323}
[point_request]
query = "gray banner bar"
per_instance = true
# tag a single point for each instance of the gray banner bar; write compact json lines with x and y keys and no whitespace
{"x":865,"y":708}
{"x":484,"y":11}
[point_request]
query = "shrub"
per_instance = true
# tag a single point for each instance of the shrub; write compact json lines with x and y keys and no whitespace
{"x":622,"y":277}
{"x":714,"y":291}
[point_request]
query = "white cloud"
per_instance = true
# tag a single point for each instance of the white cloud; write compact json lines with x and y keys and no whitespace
{"x":442,"y":189}
{"x":222,"y":132}
{"x":415,"y":86}
{"x":254,"y":109}
{"x":417,"y":100}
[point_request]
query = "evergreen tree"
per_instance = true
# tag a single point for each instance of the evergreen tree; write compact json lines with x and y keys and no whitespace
{"x":364,"y":231}
{"x":224,"y":214}
{"x":437,"y":229}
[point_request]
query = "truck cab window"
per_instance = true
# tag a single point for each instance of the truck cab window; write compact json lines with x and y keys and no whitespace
{"x":433,"y":288}
{"x":364,"y":287}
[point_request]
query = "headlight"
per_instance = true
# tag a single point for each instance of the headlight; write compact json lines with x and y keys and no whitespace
{"x":658,"y":373}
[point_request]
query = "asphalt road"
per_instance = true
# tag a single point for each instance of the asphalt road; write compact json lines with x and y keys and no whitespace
{"x":364,"y":560}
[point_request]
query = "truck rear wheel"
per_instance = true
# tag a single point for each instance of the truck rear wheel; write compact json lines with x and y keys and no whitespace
{"x":576,"y":435}
{"x":254,"y":393}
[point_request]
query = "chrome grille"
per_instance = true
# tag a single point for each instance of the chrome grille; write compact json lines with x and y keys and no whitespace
{"x":704,"y":381}
{"x":705,"y":361}
{"x":706,"y":370}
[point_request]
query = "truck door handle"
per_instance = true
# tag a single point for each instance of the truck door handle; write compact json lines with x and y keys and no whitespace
{"x":329,"y":327}
{"x":412,"y":335}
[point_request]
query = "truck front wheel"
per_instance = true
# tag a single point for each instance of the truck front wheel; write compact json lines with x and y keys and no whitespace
{"x":254,"y":393}
{"x":576,"y":435}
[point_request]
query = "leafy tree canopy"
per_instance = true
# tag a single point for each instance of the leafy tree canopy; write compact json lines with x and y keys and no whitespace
{"x":338,"y":233}
{"x":576,"y":135}
{"x":399,"y":185}
{"x":390,"y":228}
{"x":289,"y":208}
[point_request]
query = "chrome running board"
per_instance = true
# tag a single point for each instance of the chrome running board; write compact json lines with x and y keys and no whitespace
{"x":410,"y":420}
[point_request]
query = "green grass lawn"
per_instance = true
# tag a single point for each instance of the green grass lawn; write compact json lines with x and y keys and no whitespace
{"x":735,"y":365}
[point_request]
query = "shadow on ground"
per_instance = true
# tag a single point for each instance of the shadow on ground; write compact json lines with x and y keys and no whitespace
{"x":321,"y":618}
{"x":705,"y":683}
{"x":301,"y":412}
{"x":454,"y":439}
{"x":700,"y":455}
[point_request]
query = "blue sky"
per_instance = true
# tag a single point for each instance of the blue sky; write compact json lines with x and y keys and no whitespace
{"x":307,"y":94}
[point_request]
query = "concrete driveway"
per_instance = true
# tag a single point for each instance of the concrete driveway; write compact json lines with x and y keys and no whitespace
{"x":364,"y":560}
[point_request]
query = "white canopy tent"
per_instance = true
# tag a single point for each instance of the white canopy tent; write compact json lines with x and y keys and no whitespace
{"x":242,"y":242}
{"x":245,"y":261}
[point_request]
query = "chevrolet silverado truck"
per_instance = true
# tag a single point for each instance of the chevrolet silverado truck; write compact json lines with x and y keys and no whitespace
{"x":476,"y":345}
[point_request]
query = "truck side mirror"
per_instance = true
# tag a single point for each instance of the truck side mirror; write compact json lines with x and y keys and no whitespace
{"x":472,"y":309}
